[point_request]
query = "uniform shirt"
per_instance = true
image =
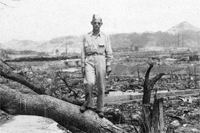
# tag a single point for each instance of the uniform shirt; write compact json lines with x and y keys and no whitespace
{"x":99,"y":44}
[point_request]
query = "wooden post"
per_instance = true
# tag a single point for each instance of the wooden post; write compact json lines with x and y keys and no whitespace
{"x":161,"y":116}
{"x":157,"y":123}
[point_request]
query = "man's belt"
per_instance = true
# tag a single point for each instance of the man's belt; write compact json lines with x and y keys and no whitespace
{"x":90,"y":54}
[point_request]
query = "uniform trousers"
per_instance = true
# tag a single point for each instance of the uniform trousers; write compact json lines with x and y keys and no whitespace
{"x":95,"y":73}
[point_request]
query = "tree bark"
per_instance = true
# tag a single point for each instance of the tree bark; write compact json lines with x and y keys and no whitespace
{"x":147,"y":89}
{"x":157,"y":122}
{"x":146,"y":108}
{"x":149,"y":84}
{"x":7,"y":73}
{"x":66,"y":114}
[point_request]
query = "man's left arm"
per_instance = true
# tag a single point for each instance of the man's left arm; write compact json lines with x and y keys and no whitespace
{"x":109,"y":55}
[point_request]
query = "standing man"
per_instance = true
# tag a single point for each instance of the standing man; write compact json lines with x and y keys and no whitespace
{"x":96,"y":59}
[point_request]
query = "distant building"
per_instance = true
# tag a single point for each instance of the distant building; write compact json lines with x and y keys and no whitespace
{"x":57,"y":52}
{"x":134,"y":48}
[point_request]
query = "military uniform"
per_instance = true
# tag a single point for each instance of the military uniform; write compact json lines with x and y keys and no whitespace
{"x":96,"y":56}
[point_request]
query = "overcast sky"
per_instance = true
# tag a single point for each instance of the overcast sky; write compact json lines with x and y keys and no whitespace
{"x":41,"y":20}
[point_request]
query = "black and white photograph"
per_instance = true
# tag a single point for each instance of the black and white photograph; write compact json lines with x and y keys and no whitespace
{"x":99,"y":66}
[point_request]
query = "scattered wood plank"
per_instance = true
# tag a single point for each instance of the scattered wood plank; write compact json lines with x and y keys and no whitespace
{"x":157,"y":120}
{"x":41,"y":58}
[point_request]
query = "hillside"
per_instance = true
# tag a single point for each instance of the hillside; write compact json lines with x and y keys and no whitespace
{"x":183,"y":27}
{"x":56,"y":44}
{"x":61,"y":44}
{"x":183,"y":34}
{"x":20,"y":45}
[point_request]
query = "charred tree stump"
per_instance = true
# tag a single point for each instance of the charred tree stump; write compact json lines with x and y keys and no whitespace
{"x":146,"y":113}
{"x":147,"y":87}
{"x":147,"y":110}
{"x":149,"y":84}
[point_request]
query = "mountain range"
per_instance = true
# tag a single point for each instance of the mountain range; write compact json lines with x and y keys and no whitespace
{"x":73,"y":43}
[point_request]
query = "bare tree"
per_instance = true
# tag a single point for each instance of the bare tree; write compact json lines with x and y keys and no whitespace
{"x":64,"y":112}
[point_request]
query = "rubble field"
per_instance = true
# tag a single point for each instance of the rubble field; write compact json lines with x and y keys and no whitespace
{"x":181,"y":113}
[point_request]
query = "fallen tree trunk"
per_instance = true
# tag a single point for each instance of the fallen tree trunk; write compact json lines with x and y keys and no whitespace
{"x":66,"y":114}
{"x":8,"y":73}
{"x":149,"y":116}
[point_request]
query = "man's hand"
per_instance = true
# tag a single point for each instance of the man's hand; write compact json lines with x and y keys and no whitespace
{"x":108,"y":70}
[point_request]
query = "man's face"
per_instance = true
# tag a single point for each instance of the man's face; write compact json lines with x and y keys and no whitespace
{"x":96,"y":24}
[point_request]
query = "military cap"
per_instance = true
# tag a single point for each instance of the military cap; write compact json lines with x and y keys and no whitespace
{"x":96,"y":17}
